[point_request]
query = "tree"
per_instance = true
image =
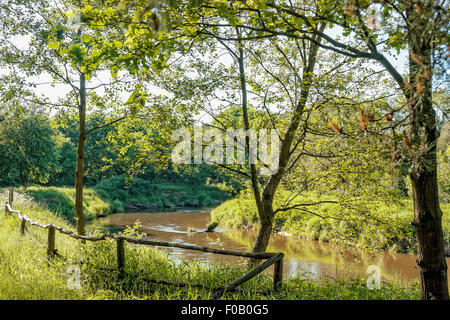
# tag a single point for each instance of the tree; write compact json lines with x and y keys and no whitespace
{"x":418,"y":26}
{"x":219,"y":25}
{"x":444,"y":163}
{"x":60,"y":45}
{"x":97,"y":150}
{"x":29,"y":148}
{"x":296,"y":110}
{"x":264,"y":200}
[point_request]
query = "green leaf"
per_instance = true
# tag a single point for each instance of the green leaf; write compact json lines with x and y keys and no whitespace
{"x":118,"y":44}
{"x":86,"y":38}
{"x":54,"y":45}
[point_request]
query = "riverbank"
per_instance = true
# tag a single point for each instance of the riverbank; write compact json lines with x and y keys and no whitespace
{"x":61,"y":201}
{"x":25,"y":272}
{"x":115,"y":195}
{"x":386,"y":226}
{"x":143,"y":194}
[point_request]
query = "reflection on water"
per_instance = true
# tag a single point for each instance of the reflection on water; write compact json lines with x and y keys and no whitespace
{"x":311,"y":259}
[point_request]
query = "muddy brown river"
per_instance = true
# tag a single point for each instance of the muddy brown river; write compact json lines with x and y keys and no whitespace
{"x":312,"y":259}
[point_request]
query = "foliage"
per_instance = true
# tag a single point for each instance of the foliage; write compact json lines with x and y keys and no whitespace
{"x":141,"y":193}
{"x":29,"y":149}
{"x":61,"y":202}
{"x":387,"y":225}
{"x":97,"y":150}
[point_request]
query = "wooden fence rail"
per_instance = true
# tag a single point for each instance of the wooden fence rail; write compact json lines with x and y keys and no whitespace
{"x":273,"y":258}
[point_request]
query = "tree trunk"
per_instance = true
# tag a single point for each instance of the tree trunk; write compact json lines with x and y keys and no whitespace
{"x":264,"y":206}
{"x":421,"y":142}
{"x":423,"y":174}
{"x":267,"y":213}
{"x":427,"y":213}
{"x":423,"y":139}
{"x":80,"y":158}
{"x":23,"y":180}
{"x":430,"y":238}
{"x":266,"y":225}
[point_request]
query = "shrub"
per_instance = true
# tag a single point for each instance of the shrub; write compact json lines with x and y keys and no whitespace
{"x":61,"y":201}
{"x":145,"y":193}
{"x":116,"y":206}
{"x":379,"y":226}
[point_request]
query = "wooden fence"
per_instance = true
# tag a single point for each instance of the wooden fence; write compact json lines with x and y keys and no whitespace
{"x":272,"y":258}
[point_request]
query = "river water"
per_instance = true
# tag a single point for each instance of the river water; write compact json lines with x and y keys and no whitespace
{"x":312,"y":259}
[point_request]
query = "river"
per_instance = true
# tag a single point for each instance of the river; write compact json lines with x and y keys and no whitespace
{"x":312,"y":259}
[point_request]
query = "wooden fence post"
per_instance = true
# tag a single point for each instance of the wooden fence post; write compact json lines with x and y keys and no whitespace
{"x":51,"y":242}
{"x":11,"y":196}
{"x":22,"y":225}
{"x":278,"y":275}
{"x":120,"y":257}
{"x":257,"y":270}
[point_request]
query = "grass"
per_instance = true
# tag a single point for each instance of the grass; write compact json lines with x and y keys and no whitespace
{"x":26,"y":273}
{"x":61,"y":201}
{"x":115,"y":195}
{"x":381,"y":226}
{"x":145,"y":194}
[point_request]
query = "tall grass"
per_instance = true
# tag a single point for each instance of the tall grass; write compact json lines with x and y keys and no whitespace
{"x":26,"y":273}
{"x":145,"y":194}
{"x":115,"y":195}
{"x":61,"y":201}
